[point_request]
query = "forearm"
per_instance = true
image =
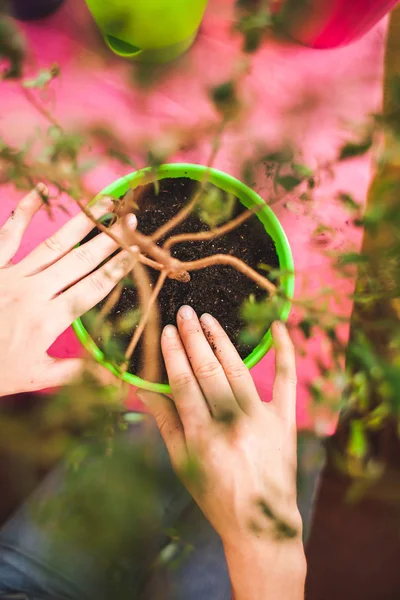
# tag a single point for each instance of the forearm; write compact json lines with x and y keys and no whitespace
{"x":262,"y":568}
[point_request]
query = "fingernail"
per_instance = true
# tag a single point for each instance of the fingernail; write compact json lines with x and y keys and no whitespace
{"x":169,"y":331}
{"x":186,"y":312}
{"x":131,"y":221}
{"x":207,"y":319}
{"x":42,"y":189}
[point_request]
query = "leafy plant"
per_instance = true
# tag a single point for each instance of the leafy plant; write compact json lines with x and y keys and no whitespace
{"x":365,"y":389}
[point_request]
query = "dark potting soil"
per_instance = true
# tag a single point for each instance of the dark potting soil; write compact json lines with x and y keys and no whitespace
{"x":219,"y":290}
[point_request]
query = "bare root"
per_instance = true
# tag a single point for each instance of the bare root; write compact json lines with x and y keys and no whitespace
{"x":150,"y":317}
{"x":236,"y":263}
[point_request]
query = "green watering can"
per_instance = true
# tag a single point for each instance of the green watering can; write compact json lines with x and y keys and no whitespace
{"x":153,"y":31}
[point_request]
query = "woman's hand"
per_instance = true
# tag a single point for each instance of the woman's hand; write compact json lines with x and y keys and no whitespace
{"x":55,"y":284}
{"x":245,"y":449}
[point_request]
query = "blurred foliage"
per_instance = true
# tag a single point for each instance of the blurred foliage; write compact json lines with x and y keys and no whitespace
{"x":12,"y":46}
{"x":116,"y":483}
{"x":43,"y":78}
{"x":123,"y":486}
{"x":259,"y":315}
{"x":355,"y":148}
{"x":253,"y":20}
{"x":215,"y":207}
{"x":225,"y":100}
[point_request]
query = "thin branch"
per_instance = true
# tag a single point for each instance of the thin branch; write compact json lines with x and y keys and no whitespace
{"x":212,"y":233}
{"x":111,"y":300}
{"x":178,"y":269}
{"x":188,"y":208}
{"x":145,"y":316}
{"x":151,"y":351}
{"x":173,"y":265}
{"x":40,"y":108}
{"x":233,"y":261}
{"x":145,"y":260}
{"x":179,"y":217}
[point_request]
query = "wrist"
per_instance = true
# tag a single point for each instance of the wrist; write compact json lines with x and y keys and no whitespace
{"x":263,"y":566}
{"x":284,"y":554}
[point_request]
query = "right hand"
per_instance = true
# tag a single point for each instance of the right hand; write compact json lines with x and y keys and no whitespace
{"x":246,"y":449}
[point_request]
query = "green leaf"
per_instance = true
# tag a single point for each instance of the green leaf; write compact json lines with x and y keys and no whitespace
{"x":155,"y":159}
{"x":306,"y":326}
{"x":352,"y":258}
{"x":128,"y":321}
{"x":377,"y":417}
{"x":353,"y":149}
{"x":252,"y":23}
{"x":215,"y":206}
{"x":302,"y":170}
{"x":122,"y":157}
{"x":348,"y":201}
{"x":259,"y":316}
{"x":281,"y":156}
{"x":225,"y":100}
{"x":288,"y":182}
{"x":43,"y":78}
{"x":248,"y":175}
{"x":358,"y":444}
{"x":66,"y":145}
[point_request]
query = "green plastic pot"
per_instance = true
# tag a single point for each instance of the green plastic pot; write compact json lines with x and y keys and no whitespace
{"x":153,"y":31}
{"x":248,"y":198}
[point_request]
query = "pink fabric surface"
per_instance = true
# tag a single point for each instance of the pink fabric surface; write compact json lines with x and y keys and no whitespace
{"x":94,"y":86}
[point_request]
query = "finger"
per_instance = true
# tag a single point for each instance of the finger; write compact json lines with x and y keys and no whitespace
{"x":66,"y":371}
{"x":207,"y":369}
{"x":62,"y":242}
{"x":85,"y":258}
{"x":238,"y":375}
{"x":284,"y":390}
{"x":168,"y":422}
{"x":88,"y":292}
{"x":63,"y":371}
{"x":189,"y":400}
{"x":12,"y":231}
{"x":54,"y":372}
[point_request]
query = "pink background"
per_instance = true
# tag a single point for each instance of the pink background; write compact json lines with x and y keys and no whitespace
{"x":344,"y":85}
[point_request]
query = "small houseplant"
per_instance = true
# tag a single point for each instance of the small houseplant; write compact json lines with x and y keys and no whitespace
{"x":224,"y":274}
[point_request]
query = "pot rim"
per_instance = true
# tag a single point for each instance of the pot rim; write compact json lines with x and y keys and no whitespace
{"x":248,"y":198}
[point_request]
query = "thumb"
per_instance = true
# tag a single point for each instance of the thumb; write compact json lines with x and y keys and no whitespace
{"x":62,"y":371}
{"x":65,"y":371}
{"x":169,"y":424}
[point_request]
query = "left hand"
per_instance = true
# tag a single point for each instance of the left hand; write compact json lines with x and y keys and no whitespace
{"x":50,"y":288}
